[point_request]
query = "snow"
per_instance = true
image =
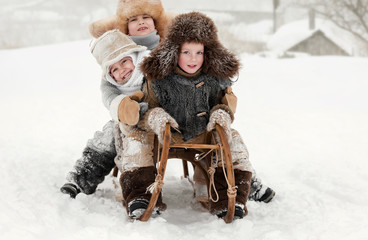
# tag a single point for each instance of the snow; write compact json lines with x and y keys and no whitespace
{"x":219,"y":5}
{"x":304,"y":121}
{"x":260,"y":31}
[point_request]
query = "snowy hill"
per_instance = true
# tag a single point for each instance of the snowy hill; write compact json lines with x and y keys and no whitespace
{"x":304,"y":121}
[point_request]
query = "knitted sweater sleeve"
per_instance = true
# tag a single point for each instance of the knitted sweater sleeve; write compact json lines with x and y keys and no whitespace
{"x":111,"y":98}
{"x":109,"y":92}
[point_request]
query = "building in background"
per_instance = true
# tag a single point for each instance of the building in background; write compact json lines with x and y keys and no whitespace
{"x":318,"y":37}
{"x":249,"y":26}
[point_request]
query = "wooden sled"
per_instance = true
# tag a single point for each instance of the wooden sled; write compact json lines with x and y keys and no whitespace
{"x":188,"y":152}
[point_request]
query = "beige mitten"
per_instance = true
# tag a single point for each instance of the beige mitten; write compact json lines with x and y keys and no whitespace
{"x":230,"y":99}
{"x":222,"y":118}
{"x":137,"y":96}
{"x":157,"y":120}
{"x":128,"y":111}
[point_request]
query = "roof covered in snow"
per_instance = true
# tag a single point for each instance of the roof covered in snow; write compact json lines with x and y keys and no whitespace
{"x":293,"y":33}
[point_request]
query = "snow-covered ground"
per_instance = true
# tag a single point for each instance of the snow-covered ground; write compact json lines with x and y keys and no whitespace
{"x":305,"y":122}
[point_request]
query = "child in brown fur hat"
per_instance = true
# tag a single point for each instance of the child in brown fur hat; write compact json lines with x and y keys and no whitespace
{"x":126,"y":10}
{"x":188,"y":75}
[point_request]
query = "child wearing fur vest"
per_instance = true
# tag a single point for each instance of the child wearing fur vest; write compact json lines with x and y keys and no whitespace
{"x":188,"y":78}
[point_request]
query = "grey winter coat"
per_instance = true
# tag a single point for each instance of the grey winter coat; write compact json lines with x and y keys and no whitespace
{"x":189,"y":101}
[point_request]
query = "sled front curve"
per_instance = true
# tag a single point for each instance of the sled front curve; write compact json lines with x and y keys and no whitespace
{"x":160,"y":172}
{"x":177,"y":152}
{"x":230,"y":175}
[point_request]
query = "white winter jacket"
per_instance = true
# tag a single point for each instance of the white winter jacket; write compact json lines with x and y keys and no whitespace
{"x":113,"y":93}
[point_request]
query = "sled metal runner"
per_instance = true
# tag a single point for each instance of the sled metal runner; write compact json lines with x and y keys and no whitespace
{"x":188,"y":152}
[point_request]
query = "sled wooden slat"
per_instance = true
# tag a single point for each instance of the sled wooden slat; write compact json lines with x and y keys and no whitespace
{"x":200,"y":146}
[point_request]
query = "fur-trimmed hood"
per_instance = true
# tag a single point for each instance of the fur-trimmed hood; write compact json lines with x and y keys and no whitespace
{"x":130,"y":8}
{"x":191,"y":27}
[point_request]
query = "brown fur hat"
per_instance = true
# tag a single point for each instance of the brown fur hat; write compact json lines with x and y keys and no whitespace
{"x":130,"y":8}
{"x":191,"y":27}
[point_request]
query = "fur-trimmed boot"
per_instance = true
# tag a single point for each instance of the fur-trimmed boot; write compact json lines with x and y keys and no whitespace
{"x":242,"y":181}
{"x":134,"y":185}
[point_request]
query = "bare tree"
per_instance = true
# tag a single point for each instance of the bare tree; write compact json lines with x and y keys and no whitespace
{"x":351,"y":15}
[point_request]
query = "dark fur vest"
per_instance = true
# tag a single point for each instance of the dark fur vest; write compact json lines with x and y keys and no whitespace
{"x":189,"y":101}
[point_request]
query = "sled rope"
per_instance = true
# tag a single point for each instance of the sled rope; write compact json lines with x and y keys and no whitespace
{"x":157,"y":183}
{"x":116,"y":186}
{"x":203,"y":155}
{"x":231,"y":191}
{"x":211,"y":172}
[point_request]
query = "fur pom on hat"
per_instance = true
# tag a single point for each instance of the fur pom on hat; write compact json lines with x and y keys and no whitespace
{"x":127,"y":9}
{"x":191,"y":27}
{"x":111,"y":47}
